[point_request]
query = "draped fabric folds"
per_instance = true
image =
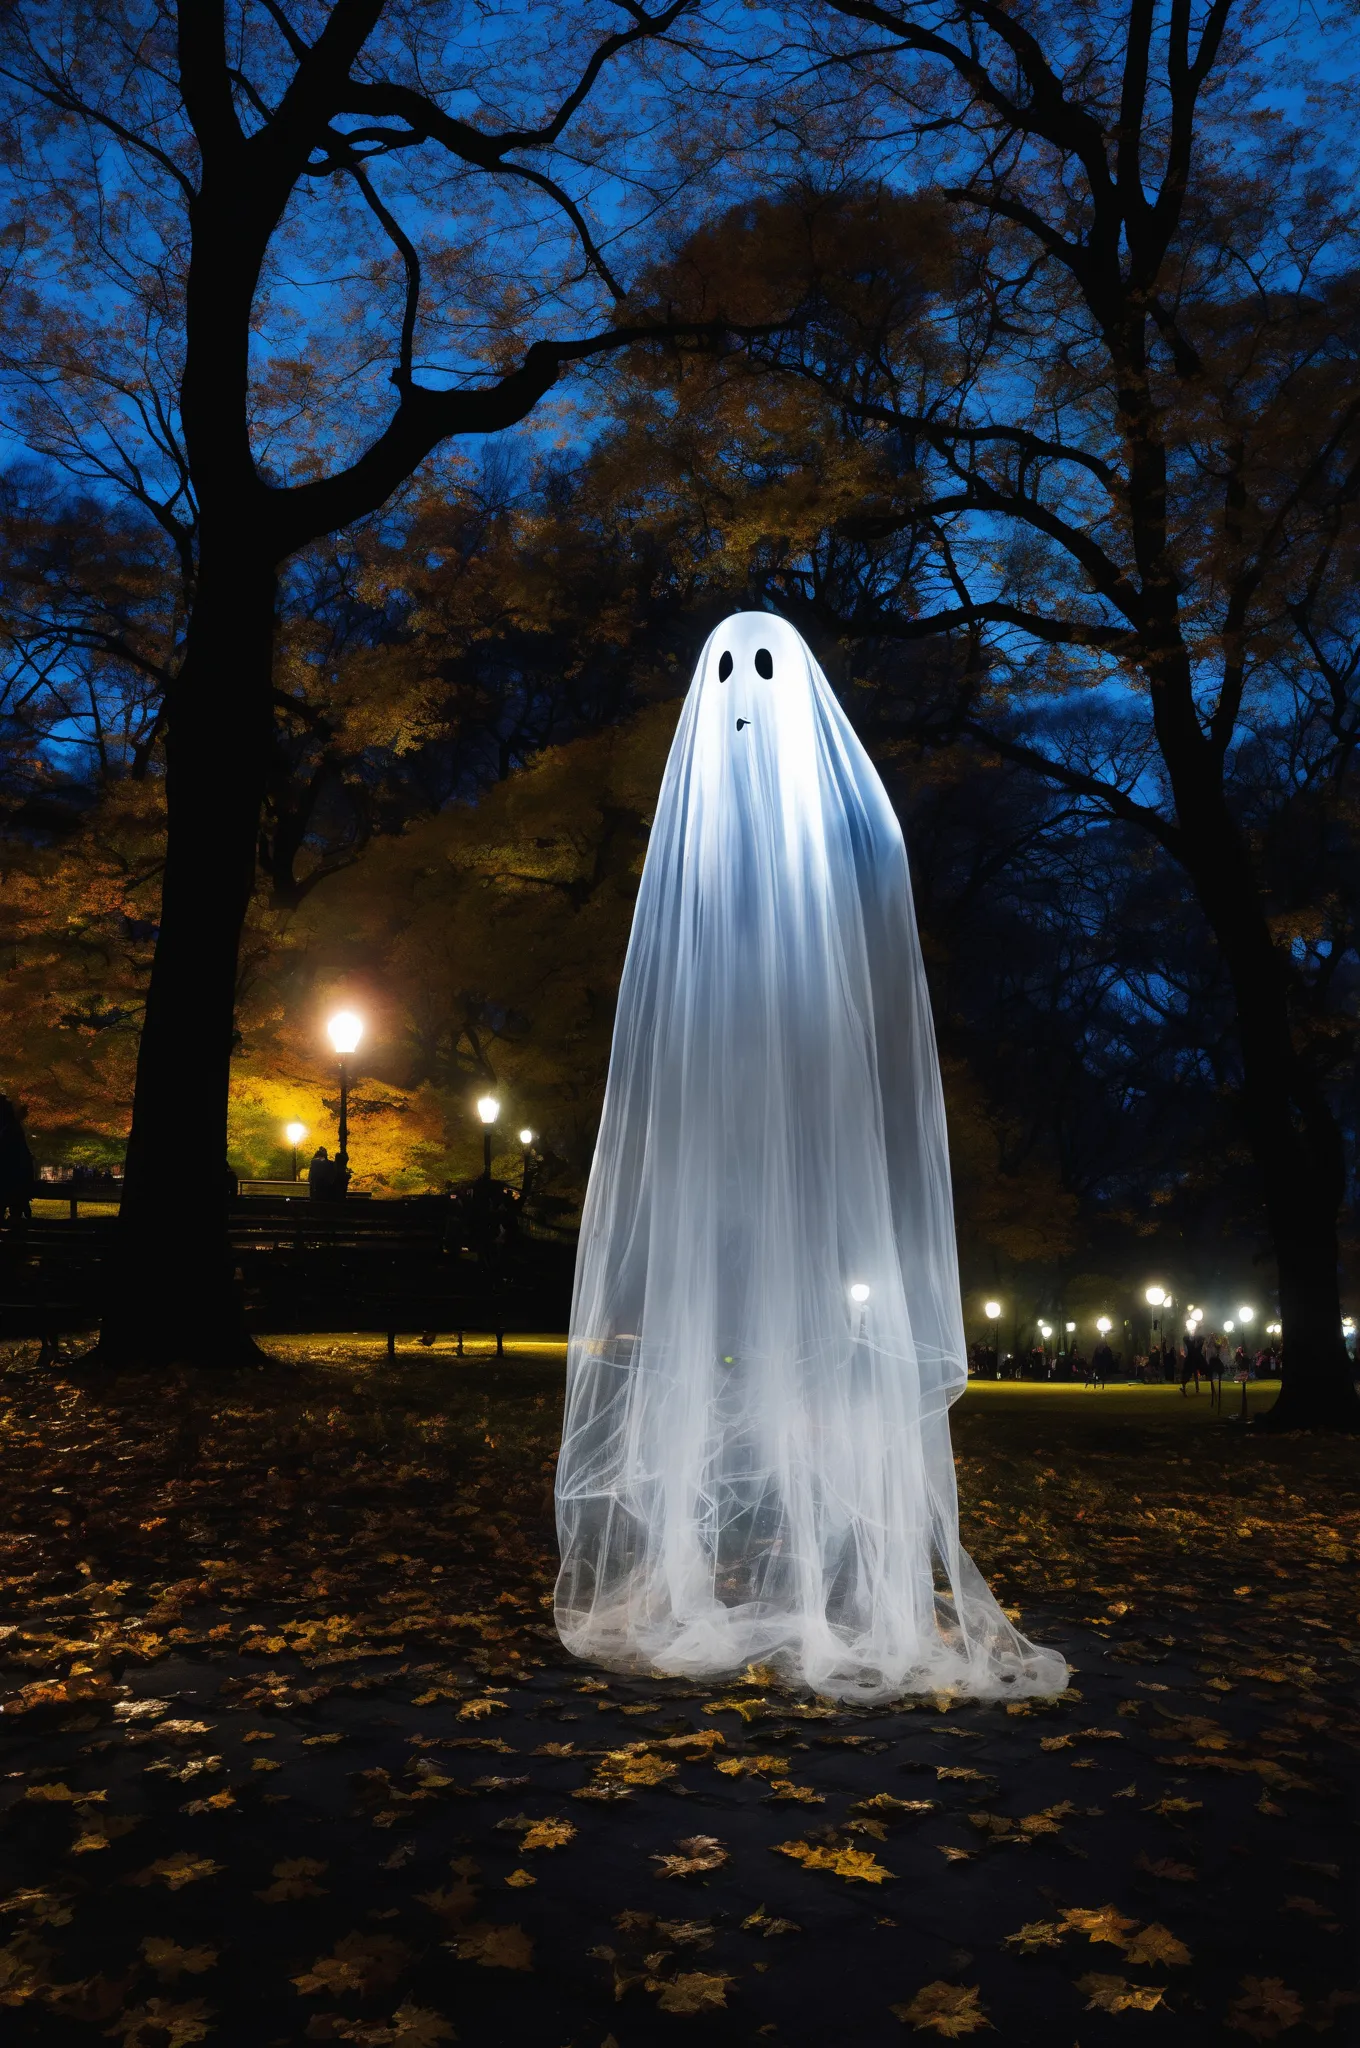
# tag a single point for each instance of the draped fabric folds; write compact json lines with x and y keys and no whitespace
{"x":766,"y":1333}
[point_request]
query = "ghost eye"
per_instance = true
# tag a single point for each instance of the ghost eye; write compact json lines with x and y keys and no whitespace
{"x":724,"y":668}
{"x":764,"y":663}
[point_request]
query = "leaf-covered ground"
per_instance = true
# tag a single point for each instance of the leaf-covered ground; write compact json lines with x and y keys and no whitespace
{"x":292,"y":1753}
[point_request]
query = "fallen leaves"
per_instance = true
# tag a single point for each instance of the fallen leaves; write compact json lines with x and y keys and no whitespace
{"x":855,"y":1864}
{"x":158,"y":2024}
{"x":495,"y":1948}
{"x":169,"y":1960}
{"x":359,"y":1962}
{"x":1150,"y":1946}
{"x":294,"y":1878}
{"x":176,"y":1871}
{"x":1116,"y":1994}
{"x":547,"y":1834}
{"x":949,"y":2009}
{"x":698,"y":1854}
{"x":690,"y":1991}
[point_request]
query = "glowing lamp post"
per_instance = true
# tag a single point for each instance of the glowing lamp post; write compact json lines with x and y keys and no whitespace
{"x":992,"y":1311}
{"x":1155,"y":1296}
{"x":344,"y":1030}
{"x":295,"y":1133}
{"x":1104,"y":1325}
{"x":488,"y":1109}
{"x":526,"y":1140}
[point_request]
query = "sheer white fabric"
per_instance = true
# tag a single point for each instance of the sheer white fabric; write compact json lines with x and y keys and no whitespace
{"x":755,"y":1464}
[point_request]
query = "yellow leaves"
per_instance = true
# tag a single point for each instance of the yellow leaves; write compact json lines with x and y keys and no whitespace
{"x":1266,"y":2008}
{"x":884,"y":1806}
{"x":691,"y":1991}
{"x":359,"y":1962}
{"x":1156,"y":1944}
{"x":749,"y":1709}
{"x":547,"y":1834}
{"x":698,"y":1854}
{"x":949,"y":2009}
{"x":59,"y":1794}
{"x":496,"y":1948}
{"x":1165,"y":1867}
{"x":1034,"y":1936}
{"x":753,"y":1766}
{"x":169,"y":1960}
{"x":39,"y":1908}
{"x":176,"y":1871}
{"x":1172,"y":1809}
{"x":294,"y":1878}
{"x":954,"y":1855}
{"x":25,"y":1963}
{"x":634,"y":1767}
{"x":478,"y":1710}
{"x":1098,"y":1923}
{"x":99,"y":1829}
{"x":519,"y":1878}
{"x":1116,"y":1994}
{"x":411,"y":2026}
{"x":1055,"y":1742}
{"x":1000,"y":1827}
{"x":158,"y":2024}
{"x":854,"y":1864}
{"x":785,"y":1793}
{"x":963,"y":1774}
{"x":266,"y":1763}
{"x":767,"y":1924}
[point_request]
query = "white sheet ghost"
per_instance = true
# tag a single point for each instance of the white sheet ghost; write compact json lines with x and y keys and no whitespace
{"x":766,"y":1332}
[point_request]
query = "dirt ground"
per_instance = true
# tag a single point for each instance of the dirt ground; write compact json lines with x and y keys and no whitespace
{"x":291,"y":1753}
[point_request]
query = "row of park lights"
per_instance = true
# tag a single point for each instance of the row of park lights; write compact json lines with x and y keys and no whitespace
{"x":1159,"y":1300}
{"x":345,"y":1030}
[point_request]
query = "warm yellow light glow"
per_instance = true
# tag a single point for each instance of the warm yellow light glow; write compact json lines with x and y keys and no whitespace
{"x":1156,"y":1296}
{"x":1069,"y":1327}
{"x":1104,"y":1325}
{"x":1045,"y":1330}
{"x":346,"y":1028}
{"x":295,"y":1133}
{"x":991,"y":1309}
{"x":526,"y":1136}
{"x":859,"y":1292}
{"x":1245,"y":1315}
{"x":488,"y":1108}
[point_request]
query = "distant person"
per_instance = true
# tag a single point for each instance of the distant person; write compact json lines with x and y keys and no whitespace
{"x":233,"y":1182}
{"x":16,"y":1164}
{"x":1192,"y":1361}
{"x":1215,"y":1359}
{"x":1102,"y":1364}
{"x":321,"y":1176}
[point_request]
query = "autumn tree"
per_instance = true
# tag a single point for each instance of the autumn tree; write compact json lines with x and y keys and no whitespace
{"x":267,"y":258}
{"x":1112,"y":443}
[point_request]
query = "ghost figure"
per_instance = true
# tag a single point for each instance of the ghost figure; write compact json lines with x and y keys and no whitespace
{"x":766,"y":1333}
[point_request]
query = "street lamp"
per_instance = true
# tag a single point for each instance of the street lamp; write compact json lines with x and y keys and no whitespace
{"x":992,"y":1311}
{"x":488,"y":1109}
{"x":526,"y":1139}
{"x":295,"y":1133}
{"x":345,"y":1030}
{"x":1228,"y":1327}
{"x":1104,"y":1325}
{"x":1246,"y":1315}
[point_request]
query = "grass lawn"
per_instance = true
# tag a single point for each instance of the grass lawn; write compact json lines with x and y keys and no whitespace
{"x":293,"y":1754}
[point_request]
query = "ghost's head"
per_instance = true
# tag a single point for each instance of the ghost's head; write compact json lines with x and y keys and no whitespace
{"x":754,"y":660}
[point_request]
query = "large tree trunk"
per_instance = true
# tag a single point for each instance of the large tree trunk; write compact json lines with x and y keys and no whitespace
{"x":1294,"y":1137}
{"x":172,"y":1296}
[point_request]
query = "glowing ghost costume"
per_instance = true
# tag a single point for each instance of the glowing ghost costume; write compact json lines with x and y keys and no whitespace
{"x":756,"y":1460}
